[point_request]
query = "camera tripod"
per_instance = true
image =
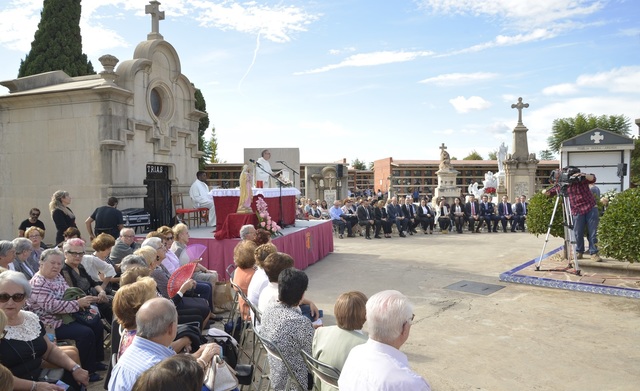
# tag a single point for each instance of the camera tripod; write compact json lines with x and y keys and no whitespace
{"x":569,"y":233}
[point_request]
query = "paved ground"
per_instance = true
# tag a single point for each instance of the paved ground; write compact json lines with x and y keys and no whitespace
{"x":519,"y":338}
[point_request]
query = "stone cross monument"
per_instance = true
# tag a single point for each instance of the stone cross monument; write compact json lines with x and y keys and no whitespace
{"x":520,"y":166}
{"x":446,"y":177}
{"x":153,"y":8}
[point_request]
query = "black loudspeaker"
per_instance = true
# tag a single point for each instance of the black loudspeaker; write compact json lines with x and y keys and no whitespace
{"x":622,"y":170}
{"x":340,"y":170}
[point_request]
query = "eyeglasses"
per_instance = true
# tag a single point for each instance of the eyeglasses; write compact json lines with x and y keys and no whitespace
{"x":35,"y":214}
{"x":76,"y":254}
{"x":129,"y":236}
{"x":33,"y":236}
{"x":169,"y":238}
{"x":17,"y":297}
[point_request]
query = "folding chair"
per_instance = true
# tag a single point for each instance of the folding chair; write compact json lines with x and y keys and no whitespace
{"x":273,"y":351}
{"x":324,"y":372}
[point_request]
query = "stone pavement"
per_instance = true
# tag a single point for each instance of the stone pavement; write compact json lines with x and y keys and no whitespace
{"x":521,"y":337}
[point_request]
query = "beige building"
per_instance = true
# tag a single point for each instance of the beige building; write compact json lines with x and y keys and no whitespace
{"x":131,"y":133}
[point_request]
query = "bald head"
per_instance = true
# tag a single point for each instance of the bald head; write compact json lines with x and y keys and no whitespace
{"x":156,"y":320}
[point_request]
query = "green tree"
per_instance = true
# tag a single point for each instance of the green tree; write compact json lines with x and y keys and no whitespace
{"x":57,"y":44}
{"x":201,"y":105}
{"x":566,"y":128}
{"x":211,"y":148}
{"x":473,"y":156}
{"x":358,"y":165}
{"x":493,"y":155}
{"x":371,"y":166}
{"x":546,"y":154}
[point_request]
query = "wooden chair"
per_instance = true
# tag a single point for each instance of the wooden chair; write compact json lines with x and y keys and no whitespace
{"x":323,"y":372}
{"x":190,"y":216}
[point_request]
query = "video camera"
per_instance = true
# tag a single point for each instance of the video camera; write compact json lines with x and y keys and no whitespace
{"x":566,"y":176}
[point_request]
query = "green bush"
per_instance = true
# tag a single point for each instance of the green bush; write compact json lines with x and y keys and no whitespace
{"x":619,"y":229}
{"x":539,"y":215}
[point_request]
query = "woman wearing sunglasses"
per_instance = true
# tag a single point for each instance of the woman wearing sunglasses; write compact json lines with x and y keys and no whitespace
{"x":25,"y":345}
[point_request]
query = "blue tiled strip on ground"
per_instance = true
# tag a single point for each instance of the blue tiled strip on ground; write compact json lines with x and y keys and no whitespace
{"x":513,"y":276}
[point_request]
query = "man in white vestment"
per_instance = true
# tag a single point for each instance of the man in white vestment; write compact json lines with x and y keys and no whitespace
{"x":263,"y":162}
{"x":378,"y":364}
{"x":199,"y":193}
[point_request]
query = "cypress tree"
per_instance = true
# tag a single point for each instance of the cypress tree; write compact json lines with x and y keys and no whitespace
{"x":57,"y":44}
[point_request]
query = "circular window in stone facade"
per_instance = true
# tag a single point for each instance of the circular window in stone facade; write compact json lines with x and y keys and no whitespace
{"x":160,"y":101}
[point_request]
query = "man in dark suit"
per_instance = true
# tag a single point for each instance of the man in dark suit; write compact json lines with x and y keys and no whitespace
{"x":409,"y":212}
{"x":488,"y":213}
{"x":394,"y":211}
{"x":472,"y":208}
{"x":365,"y":217}
{"x":521,"y":209}
{"x":505,"y":213}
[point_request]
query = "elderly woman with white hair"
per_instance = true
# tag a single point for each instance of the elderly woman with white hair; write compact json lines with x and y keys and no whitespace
{"x":25,"y":345}
{"x":7,"y":253}
{"x":47,"y":301}
{"x":24,"y":248}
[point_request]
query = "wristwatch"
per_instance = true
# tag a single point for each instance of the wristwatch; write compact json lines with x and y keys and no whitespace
{"x":77,"y":366}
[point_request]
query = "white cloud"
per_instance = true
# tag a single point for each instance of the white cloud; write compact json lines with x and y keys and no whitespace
{"x":458,"y":78}
{"x":623,"y":79}
{"x":464,"y":105}
{"x":443,"y":131}
{"x":509,"y":98}
{"x":507,"y":40}
{"x":630,"y":32}
{"x":560,"y":89}
{"x":335,"y":52}
{"x":19,"y":23}
{"x":499,"y":128}
{"x":520,"y":15}
{"x":370,"y":59}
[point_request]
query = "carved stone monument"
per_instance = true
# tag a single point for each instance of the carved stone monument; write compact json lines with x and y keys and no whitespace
{"x":520,"y":166}
{"x":446,"y":177}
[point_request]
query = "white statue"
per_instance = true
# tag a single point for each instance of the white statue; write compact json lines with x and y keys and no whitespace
{"x":502,"y":155}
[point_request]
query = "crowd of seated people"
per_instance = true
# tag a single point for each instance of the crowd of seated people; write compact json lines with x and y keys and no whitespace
{"x":371,"y":217}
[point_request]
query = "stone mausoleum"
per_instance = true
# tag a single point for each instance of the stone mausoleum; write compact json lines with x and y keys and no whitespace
{"x":130,"y":131}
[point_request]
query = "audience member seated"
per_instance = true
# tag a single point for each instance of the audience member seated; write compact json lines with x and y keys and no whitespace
{"x":262,"y":237}
{"x":48,"y":302}
{"x":408,"y":209}
{"x":153,"y":252}
{"x":382,"y":220}
{"x":324,"y":209}
{"x":314,"y":212}
{"x":366,"y":219}
{"x":488,"y":213}
{"x":339,"y":220}
{"x":521,"y":210}
{"x":349,"y":212}
{"x":99,"y":265}
{"x":379,"y":364}
{"x":75,"y":275}
{"x":181,"y":238}
{"x":332,"y":344}
{"x":23,"y":249}
{"x":458,"y":215}
{"x":243,"y":257}
{"x":288,"y":329}
{"x":472,"y":208}
{"x":178,"y":372}
{"x":125,"y":245}
{"x":126,"y":304}
{"x":395,"y":215}
{"x":505,"y":213}
{"x":260,"y":280}
{"x":7,"y":254}
{"x":248,"y":232}
{"x":25,"y":344}
{"x":426,"y":216}
{"x":444,"y":217}
{"x":36,"y":236}
{"x":32,"y":221}
{"x":156,"y":324}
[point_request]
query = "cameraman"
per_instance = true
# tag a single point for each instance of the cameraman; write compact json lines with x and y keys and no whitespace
{"x":583,"y":207}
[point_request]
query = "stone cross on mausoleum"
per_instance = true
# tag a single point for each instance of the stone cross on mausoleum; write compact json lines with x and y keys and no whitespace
{"x":519,"y":106}
{"x":153,"y":8}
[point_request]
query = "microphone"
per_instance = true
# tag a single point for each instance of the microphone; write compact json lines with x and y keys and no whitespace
{"x":279,"y":161}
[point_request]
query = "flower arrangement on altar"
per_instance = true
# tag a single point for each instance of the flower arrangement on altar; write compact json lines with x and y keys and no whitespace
{"x":264,"y":219}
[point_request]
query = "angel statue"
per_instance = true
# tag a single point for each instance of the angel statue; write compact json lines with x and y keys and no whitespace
{"x":445,"y":161}
{"x":473,"y":189}
{"x":246,"y":192}
{"x":502,"y":155}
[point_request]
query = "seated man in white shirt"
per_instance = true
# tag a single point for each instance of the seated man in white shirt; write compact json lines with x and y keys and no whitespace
{"x":199,"y":193}
{"x":378,"y":364}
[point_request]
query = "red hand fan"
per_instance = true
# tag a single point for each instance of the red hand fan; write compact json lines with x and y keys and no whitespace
{"x":179,"y":277}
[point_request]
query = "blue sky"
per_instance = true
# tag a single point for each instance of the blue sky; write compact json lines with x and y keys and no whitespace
{"x":372,"y":79}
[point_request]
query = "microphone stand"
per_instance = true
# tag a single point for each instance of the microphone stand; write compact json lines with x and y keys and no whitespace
{"x":292,"y":170}
{"x":281,"y":220}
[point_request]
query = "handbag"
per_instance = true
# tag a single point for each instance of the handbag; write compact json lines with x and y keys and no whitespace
{"x":222,"y":295}
{"x":88,"y":317}
{"x":219,"y":376}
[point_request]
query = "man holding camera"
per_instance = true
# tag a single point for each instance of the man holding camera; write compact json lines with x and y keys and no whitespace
{"x":583,"y":207}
